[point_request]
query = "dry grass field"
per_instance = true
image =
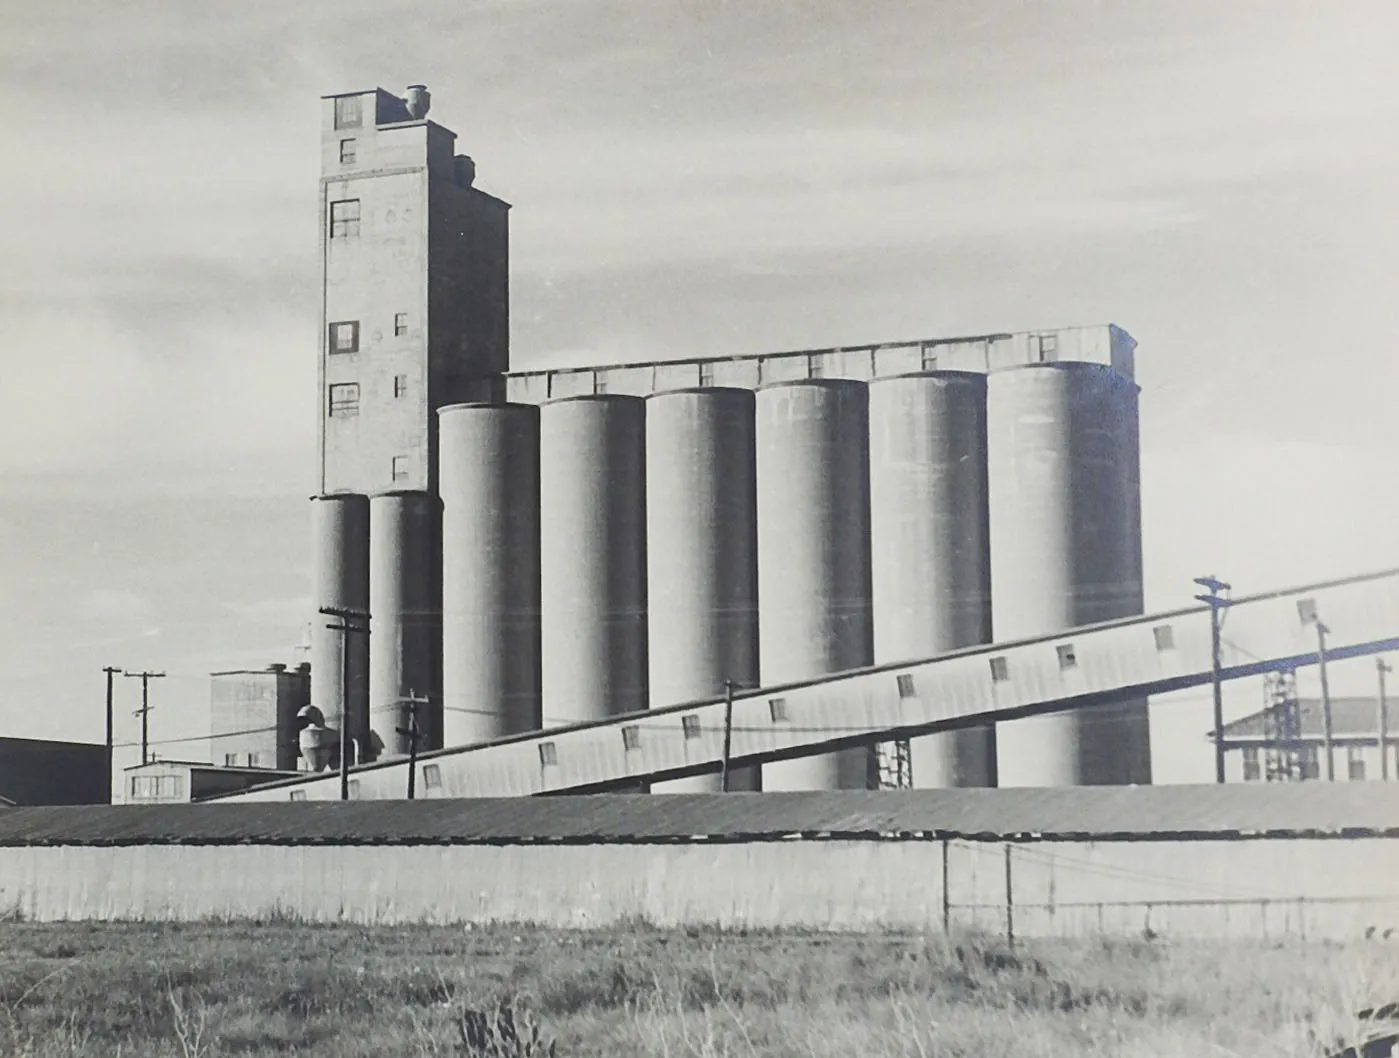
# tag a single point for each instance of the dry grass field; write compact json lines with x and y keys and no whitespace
{"x":279,"y":988}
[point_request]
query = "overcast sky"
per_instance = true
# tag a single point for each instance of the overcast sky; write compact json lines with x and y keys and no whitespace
{"x":687,"y":179}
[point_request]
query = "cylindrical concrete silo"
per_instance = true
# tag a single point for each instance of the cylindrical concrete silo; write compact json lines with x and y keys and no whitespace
{"x":1063,"y":553}
{"x":488,"y":478}
{"x":702,"y":557}
{"x":930,"y":544}
{"x":592,"y":491}
{"x":340,"y":558}
{"x":813,"y":553}
{"x":406,"y":624}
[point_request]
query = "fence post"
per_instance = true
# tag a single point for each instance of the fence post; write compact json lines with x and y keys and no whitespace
{"x":1010,"y":903}
{"x":946,"y":896}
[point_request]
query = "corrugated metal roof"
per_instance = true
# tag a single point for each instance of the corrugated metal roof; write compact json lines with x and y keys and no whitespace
{"x":1099,"y":813}
{"x":1350,"y":718}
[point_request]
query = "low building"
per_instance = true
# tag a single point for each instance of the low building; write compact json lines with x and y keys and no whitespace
{"x":40,"y":772}
{"x":1286,"y":742}
{"x":183,"y":781}
{"x":252,"y":716}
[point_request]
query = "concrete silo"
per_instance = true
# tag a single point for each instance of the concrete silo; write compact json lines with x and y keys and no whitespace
{"x":702,"y":553}
{"x":340,"y":559}
{"x":488,"y":478}
{"x":1064,"y":554}
{"x":930,"y":544}
{"x":813,"y":553}
{"x":592,"y":491}
{"x":405,"y":643}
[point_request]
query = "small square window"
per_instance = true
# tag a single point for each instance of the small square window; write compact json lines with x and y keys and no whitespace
{"x":230,"y":760}
{"x":400,"y":386}
{"x":354,"y":789}
{"x":400,"y":324}
{"x":815,"y":366}
{"x":1067,"y":658}
{"x":690,"y":724}
{"x":400,"y":468}
{"x":298,"y":795}
{"x":347,"y":112}
{"x":347,"y":152}
{"x":548,"y":754}
{"x":706,"y":374}
{"x":344,"y":218}
{"x":432,"y":776}
{"x":631,"y":737}
{"x":599,"y":382}
{"x":344,"y":336}
{"x":906,"y":690}
{"x":344,"y":398}
{"x":1046,"y":346}
{"x":777,"y":709}
{"x":1000,"y":670}
{"x":254,"y":760}
{"x":1165,"y":637}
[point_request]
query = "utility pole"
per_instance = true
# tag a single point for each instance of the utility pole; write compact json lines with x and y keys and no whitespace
{"x":111,"y":671}
{"x":345,"y":628}
{"x":1382,"y":667}
{"x":1326,"y":739}
{"x":728,"y":734}
{"x":145,"y":711}
{"x":413,"y":734}
{"x":1216,"y":603}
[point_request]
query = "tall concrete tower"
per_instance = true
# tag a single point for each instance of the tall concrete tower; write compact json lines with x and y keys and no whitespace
{"x":415,"y":315}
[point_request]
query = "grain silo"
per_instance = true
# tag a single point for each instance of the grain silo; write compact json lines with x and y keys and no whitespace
{"x":406,"y":625}
{"x":1063,"y":553}
{"x":340,"y":660}
{"x":930,"y":545}
{"x":813,"y":553}
{"x":702,"y":553}
{"x":592,"y":556}
{"x":488,"y":478}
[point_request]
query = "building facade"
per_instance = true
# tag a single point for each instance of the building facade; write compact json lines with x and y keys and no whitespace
{"x":39,"y":772}
{"x":183,"y":781}
{"x":252,"y":716}
{"x":1286,"y":742}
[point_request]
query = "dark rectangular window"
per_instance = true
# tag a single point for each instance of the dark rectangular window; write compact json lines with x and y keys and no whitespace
{"x":1067,"y":658}
{"x":1251,"y":769}
{"x":344,"y":218}
{"x":344,"y":336}
{"x":400,"y":468}
{"x":905,"y":682}
{"x":432,"y":776}
{"x":631,"y":737}
{"x":344,"y":398}
{"x":298,"y":795}
{"x":400,"y":385}
{"x":548,"y":754}
{"x":1165,"y":637}
{"x":777,"y":709}
{"x":254,"y":760}
{"x":347,"y":112}
{"x":230,"y":760}
{"x":400,"y":324}
{"x":690,"y":724}
{"x":347,"y":152}
{"x":1000,"y":670}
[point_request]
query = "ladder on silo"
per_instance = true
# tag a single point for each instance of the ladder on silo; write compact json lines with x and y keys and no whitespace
{"x":1282,"y":729}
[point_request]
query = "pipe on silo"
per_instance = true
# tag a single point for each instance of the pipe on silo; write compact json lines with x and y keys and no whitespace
{"x":702,"y":554}
{"x":340,"y":560}
{"x":930,"y":545}
{"x":592,"y":491}
{"x":488,"y":478}
{"x":406,"y":626}
{"x":1065,"y":552}
{"x":813,"y":553}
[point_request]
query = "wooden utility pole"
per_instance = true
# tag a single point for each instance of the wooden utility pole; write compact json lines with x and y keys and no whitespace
{"x":413,"y":732}
{"x":1216,"y":604}
{"x":345,"y":627}
{"x":728,"y":734}
{"x":111,"y":671}
{"x":1327,"y":739}
{"x":145,"y":711}
{"x":1382,"y":667}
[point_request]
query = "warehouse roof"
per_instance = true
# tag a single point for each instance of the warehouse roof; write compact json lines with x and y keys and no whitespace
{"x":1083,"y":813}
{"x":1350,"y":718}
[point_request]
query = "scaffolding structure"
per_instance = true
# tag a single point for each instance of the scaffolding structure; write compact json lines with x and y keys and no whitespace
{"x":1282,"y":727}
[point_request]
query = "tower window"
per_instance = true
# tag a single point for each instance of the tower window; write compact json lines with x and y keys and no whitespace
{"x":400,"y":468}
{"x":631,"y":737}
{"x":347,"y":112}
{"x":548,"y":754}
{"x":347,"y":152}
{"x":400,"y":385}
{"x":344,"y":398}
{"x":344,"y":218}
{"x":344,"y":337}
{"x":230,"y":760}
{"x":905,"y":682}
{"x":400,"y":324}
{"x":777,"y":709}
{"x":1045,"y":346}
{"x":690,"y":725}
{"x":1000,"y":670}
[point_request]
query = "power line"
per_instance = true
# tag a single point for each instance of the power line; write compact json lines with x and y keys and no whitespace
{"x":145,"y":711}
